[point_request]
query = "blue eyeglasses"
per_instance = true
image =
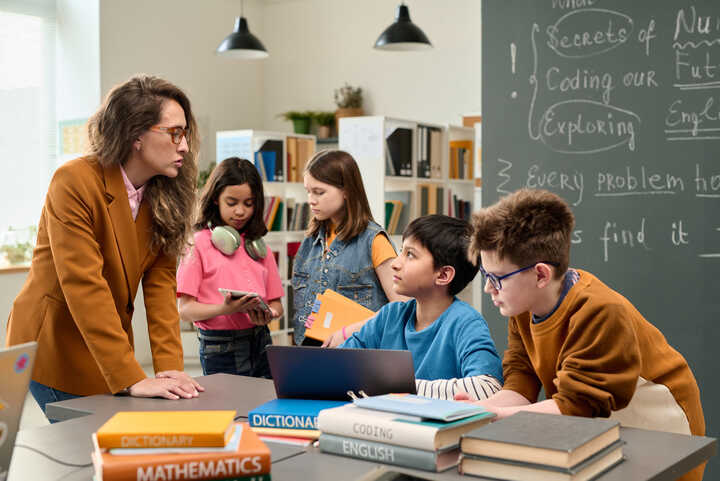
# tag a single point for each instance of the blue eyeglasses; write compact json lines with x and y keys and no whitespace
{"x":496,"y":281}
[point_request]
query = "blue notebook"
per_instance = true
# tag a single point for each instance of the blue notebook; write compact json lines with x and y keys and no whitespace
{"x":424,"y":407}
{"x":290,"y":413}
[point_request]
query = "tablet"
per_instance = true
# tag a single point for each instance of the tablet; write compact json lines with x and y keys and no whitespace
{"x":319,"y":373}
{"x":237,"y":294}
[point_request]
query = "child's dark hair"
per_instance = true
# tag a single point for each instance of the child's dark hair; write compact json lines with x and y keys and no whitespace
{"x":339,"y":169}
{"x":447,"y":239}
{"x":529,"y":225}
{"x":232,"y":171}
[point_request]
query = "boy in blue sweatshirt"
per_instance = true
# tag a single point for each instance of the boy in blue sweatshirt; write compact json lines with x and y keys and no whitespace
{"x":450,"y":342}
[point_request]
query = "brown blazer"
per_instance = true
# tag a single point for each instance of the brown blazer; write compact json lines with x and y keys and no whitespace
{"x":77,"y":302}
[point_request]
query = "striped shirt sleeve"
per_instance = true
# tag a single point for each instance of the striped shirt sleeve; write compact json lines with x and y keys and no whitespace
{"x":478,"y":387}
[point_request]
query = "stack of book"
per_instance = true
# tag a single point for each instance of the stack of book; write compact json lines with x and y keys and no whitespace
{"x":397,"y":211}
{"x":299,"y":214}
{"x":432,"y":200}
{"x":457,"y":207}
{"x":400,"y":429}
{"x":272,"y":214}
{"x":429,"y":152}
{"x":533,"y":446}
{"x":289,"y":421}
{"x":178,"y":445}
{"x":299,"y":151}
{"x":461,"y":163}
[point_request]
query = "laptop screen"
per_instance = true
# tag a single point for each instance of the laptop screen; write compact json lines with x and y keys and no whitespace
{"x":16,"y":365}
{"x":319,"y":373}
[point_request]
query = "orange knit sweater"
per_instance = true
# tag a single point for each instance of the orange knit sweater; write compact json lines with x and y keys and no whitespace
{"x":590,"y":353}
{"x":589,"y":356}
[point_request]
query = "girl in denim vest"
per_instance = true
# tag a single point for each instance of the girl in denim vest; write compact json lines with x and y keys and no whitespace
{"x":344,"y":249}
{"x":228,"y":253}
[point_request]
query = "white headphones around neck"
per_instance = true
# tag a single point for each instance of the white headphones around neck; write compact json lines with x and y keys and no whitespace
{"x":227,"y":239}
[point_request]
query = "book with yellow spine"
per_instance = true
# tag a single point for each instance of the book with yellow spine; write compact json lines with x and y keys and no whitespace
{"x":162,"y":429}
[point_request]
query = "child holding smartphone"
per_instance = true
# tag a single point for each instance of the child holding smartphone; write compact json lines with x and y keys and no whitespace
{"x":229,"y":255}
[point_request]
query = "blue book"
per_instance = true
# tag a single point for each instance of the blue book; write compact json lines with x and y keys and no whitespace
{"x":290,"y":413}
{"x":424,"y":407}
{"x":269,"y":159}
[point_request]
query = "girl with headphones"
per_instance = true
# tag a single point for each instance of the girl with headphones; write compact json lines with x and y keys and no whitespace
{"x":229,"y":253}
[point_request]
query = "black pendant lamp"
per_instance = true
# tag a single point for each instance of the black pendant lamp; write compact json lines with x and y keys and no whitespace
{"x":241,"y":43}
{"x":403,"y":34}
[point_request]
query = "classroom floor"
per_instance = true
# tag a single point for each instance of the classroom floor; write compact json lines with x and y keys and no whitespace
{"x":33,"y":416}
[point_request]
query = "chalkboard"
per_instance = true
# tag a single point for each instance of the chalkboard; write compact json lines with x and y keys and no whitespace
{"x":615,"y":106}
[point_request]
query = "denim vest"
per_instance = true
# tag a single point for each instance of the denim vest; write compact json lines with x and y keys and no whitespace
{"x":346,"y":268}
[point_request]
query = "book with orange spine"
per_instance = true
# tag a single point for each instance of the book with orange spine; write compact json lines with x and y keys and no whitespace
{"x":252,"y":458}
{"x":161,"y":429}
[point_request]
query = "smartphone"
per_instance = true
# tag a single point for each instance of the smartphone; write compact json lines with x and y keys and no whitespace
{"x":237,"y":294}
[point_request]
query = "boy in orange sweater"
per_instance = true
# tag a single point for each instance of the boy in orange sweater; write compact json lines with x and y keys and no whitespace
{"x":585,"y":344}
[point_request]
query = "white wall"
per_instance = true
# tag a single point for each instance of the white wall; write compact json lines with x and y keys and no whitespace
{"x":10,"y":284}
{"x":77,"y":59}
{"x":177,"y":40}
{"x":317,"y":45}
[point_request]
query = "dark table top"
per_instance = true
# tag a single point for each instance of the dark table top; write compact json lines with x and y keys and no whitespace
{"x":650,"y":455}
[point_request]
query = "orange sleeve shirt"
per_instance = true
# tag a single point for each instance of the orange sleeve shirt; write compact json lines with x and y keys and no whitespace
{"x":382,"y":249}
{"x":591,"y":352}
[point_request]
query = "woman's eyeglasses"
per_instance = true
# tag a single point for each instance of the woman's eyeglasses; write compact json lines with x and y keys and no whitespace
{"x":176,"y":133}
{"x":496,"y":281}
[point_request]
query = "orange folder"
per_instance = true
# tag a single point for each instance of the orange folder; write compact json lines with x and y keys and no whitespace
{"x":333,"y":312}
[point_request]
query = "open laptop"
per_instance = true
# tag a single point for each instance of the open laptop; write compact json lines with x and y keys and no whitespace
{"x":319,"y":373}
{"x":16,"y":365}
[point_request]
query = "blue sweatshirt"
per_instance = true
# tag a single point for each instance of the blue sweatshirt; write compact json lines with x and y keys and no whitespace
{"x":456,"y":345}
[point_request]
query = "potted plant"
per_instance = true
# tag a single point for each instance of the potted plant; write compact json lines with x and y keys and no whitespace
{"x":300,"y":120}
{"x":325,"y":121}
{"x":204,"y":174}
{"x":17,"y":244}
{"x":349,"y":101}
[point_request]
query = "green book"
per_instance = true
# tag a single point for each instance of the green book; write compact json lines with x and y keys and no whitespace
{"x":277,"y":222}
{"x":388,"y":214}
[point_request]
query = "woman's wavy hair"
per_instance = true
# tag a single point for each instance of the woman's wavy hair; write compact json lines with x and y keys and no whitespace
{"x":232,"y":171}
{"x":128,"y":111}
{"x":339,"y":169}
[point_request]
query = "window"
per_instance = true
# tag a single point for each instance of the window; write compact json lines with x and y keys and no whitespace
{"x":27,"y":110}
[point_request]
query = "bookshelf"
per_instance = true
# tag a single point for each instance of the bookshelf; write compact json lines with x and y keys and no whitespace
{"x":409,"y":161}
{"x":477,"y":286}
{"x":280,"y":158}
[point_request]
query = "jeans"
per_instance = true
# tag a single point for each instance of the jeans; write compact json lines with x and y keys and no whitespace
{"x":45,"y":394}
{"x":235,"y":351}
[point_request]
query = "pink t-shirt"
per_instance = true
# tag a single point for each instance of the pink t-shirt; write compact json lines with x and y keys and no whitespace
{"x":204,"y":269}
